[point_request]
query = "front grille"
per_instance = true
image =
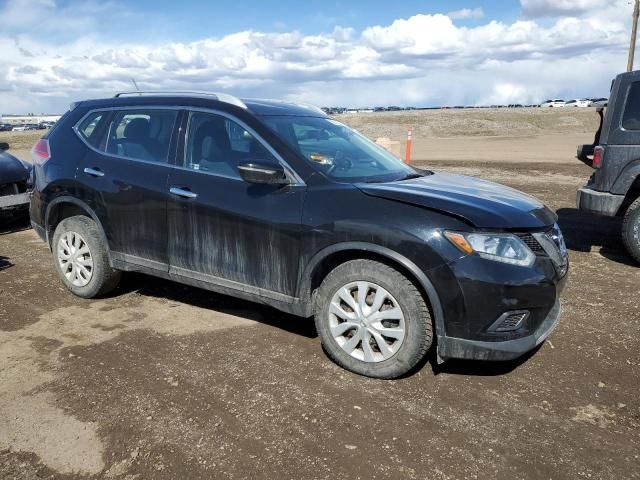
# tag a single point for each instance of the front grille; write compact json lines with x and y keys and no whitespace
{"x":532,"y":243}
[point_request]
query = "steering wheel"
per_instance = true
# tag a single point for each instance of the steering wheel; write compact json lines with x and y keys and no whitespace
{"x":340,"y":162}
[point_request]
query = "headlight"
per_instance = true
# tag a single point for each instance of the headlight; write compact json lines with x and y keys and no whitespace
{"x":501,"y":247}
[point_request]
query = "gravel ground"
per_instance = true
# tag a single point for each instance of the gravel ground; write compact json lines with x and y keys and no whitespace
{"x":165,"y":381}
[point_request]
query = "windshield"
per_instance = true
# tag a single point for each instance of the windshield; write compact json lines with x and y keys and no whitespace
{"x":337,"y":150}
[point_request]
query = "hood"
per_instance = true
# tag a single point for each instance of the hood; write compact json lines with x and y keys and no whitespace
{"x":482,"y":203}
{"x":12,"y":170}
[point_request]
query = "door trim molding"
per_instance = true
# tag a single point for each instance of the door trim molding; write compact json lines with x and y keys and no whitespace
{"x":231,"y":284}
{"x":177,"y":273}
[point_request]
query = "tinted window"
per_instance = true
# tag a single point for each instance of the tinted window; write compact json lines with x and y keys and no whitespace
{"x":217,"y":144}
{"x":337,"y":150}
{"x":631,"y":118}
{"x":142,"y":134}
{"x":91,"y":127}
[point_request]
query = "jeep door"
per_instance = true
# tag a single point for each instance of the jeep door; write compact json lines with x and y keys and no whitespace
{"x":123,"y":178}
{"x":223,"y":230}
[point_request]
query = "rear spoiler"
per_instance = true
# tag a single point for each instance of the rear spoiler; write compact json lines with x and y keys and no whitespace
{"x":585,"y":152}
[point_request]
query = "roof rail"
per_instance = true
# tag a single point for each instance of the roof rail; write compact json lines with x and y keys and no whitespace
{"x":221,"y":97}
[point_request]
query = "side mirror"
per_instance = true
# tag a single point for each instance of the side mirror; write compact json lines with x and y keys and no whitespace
{"x":4,"y":146}
{"x":263,"y":172}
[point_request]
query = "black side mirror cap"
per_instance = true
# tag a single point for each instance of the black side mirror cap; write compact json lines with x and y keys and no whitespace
{"x":263,"y":172}
{"x":4,"y":146}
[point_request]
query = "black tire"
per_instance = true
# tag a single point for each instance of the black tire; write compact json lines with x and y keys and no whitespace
{"x":103,"y":277}
{"x":631,"y":230}
{"x":417,"y":320}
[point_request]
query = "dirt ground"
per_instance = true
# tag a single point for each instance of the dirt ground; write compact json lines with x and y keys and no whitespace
{"x":166,"y":381}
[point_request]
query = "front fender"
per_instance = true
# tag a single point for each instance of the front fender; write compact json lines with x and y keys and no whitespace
{"x":304,"y":288}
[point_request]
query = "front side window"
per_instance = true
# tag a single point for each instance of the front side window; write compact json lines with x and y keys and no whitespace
{"x":216,"y":144}
{"x":142,"y":134}
{"x":631,"y":117}
{"x":337,"y":150}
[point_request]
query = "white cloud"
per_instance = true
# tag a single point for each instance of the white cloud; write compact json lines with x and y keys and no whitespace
{"x":552,"y":8}
{"x":466,"y":13}
{"x":420,"y":60}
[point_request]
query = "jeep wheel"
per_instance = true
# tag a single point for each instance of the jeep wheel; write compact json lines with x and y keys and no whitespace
{"x":372,"y":320}
{"x":631,"y":230}
{"x":81,"y":259}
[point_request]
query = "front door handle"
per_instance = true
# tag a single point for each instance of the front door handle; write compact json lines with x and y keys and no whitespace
{"x":94,"y":172}
{"x":181,"y":192}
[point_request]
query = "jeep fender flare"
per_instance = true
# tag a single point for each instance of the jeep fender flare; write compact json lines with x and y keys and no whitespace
{"x":626,"y":178}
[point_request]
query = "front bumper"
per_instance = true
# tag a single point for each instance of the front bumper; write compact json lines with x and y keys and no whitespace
{"x":451,"y":347}
{"x":15,"y":201}
{"x":599,"y":203}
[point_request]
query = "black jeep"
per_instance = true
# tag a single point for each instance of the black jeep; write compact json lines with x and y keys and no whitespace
{"x":614,"y":187}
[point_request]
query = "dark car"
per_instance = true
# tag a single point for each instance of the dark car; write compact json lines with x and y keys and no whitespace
{"x":614,"y":187}
{"x":15,"y":182}
{"x":277,"y":203}
{"x":5,"y":127}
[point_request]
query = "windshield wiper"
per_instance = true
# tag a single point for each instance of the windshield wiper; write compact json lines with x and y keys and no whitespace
{"x":411,"y":176}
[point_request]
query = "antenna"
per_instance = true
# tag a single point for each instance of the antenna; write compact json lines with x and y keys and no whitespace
{"x":135,"y":85}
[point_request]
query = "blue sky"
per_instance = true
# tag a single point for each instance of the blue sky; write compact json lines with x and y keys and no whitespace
{"x":223,"y":17}
{"x":331,"y":52}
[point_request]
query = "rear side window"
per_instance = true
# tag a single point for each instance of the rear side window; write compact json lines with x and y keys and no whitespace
{"x":142,"y":134}
{"x":91,"y":127}
{"x":631,"y":117}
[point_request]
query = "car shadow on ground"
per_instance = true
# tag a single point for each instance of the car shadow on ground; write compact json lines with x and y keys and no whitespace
{"x":584,"y":231}
{"x":479,"y":368}
{"x":197,"y":297}
{"x":5,"y":263}
{"x":11,"y":223}
{"x":172,"y":291}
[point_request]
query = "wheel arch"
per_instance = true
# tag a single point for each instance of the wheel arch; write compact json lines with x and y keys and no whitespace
{"x":65,"y":207}
{"x":330,"y":257}
{"x":633,"y":192}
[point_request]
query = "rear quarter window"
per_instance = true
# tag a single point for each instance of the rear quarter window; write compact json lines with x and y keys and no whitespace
{"x":631,"y":117}
{"x":91,"y":127}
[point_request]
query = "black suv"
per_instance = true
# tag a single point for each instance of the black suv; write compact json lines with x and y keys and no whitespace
{"x":614,"y":187}
{"x":277,"y":203}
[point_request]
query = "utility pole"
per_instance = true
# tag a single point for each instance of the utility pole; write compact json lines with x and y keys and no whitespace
{"x":634,"y":29}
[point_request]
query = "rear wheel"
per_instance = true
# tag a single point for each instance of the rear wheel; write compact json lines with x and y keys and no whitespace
{"x":81,"y":258}
{"x":372,"y":320}
{"x":631,"y":230}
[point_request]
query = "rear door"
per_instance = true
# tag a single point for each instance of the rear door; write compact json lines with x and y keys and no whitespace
{"x":226,"y":231}
{"x":124,"y":179}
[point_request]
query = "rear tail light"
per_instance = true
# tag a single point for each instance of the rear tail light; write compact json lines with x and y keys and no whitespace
{"x":598,"y":153}
{"x":40,"y":152}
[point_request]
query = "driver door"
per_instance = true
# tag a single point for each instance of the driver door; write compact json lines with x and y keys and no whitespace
{"x":222,"y":229}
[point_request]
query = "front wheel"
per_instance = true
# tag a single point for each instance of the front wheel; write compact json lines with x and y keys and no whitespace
{"x":631,"y":230}
{"x":372,"y":320}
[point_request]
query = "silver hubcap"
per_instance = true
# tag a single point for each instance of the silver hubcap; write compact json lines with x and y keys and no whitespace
{"x":366,"y":321}
{"x":75,"y":259}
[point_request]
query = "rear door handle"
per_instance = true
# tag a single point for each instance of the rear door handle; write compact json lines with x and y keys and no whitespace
{"x":94,"y":172}
{"x":181,"y":192}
